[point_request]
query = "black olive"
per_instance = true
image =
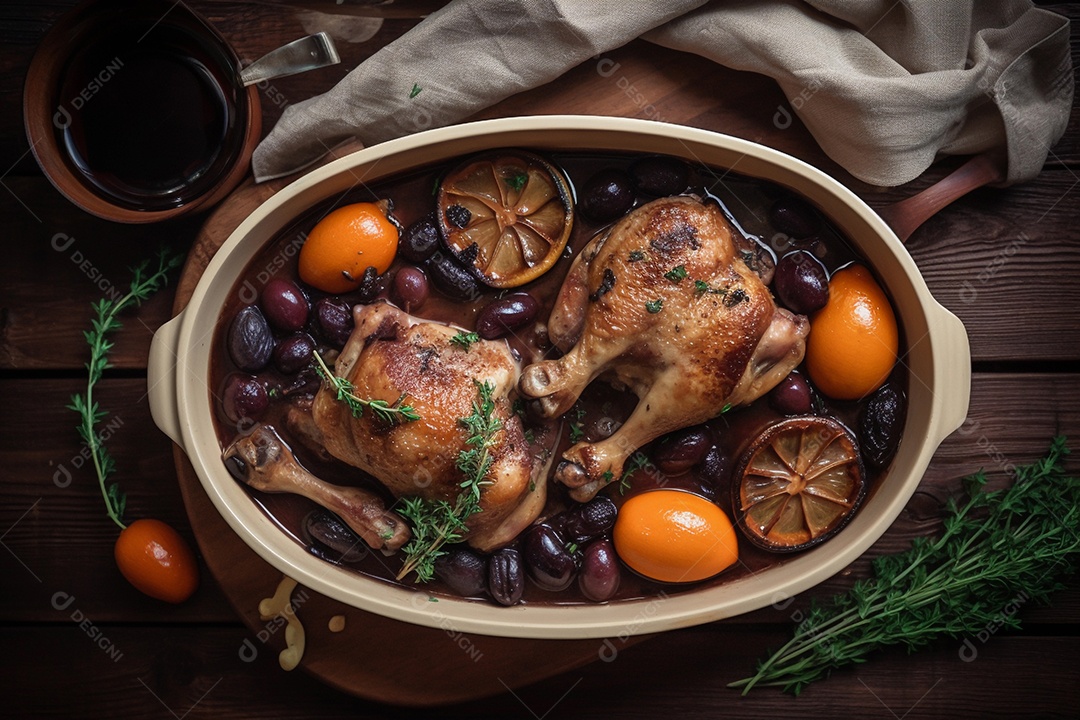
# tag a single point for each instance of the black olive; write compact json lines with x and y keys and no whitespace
{"x":880,"y":425}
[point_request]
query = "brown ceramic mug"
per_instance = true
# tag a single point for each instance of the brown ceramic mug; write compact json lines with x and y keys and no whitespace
{"x":136,"y":111}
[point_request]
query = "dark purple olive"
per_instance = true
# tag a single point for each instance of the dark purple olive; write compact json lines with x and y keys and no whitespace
{"x":547,"y":561}
{"x":880,"y":425}
{"x":791,"y":396}
{"x":588,"y":520}
{"x":250,"y":341}
{"x":244,"y":397}
{"x":333,"y":537}
{"x":335,"y":321}
{"x":464,"y":571}
{"x":660,"y":175}
{"x":284,"y":304}
{"x":451,"y":278}
{"x":795,"y":217}
{"x":607,"y":195}
{"x":801,"y":282}
{"x":715,"y":467}
{"x":506,"y":314}
{"x":599,"y":575}
{"x":410,"y":289}
{"x":371,"y":285}
{"x":293,"y":354}
{"x":681,"y":450}
{"x":458,"y":216}
{"x":420,"y":240}
{"x":506,"y":581}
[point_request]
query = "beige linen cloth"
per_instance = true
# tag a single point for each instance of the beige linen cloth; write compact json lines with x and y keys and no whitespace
{"x":885,"y":86}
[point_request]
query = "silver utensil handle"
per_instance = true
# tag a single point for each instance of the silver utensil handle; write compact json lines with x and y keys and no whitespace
{"x":307,"y":53}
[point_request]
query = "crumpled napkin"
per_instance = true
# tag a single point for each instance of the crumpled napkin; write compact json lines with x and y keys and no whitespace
{"x":884,"y":86}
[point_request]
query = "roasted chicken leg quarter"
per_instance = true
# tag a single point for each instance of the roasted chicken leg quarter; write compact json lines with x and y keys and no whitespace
{"x":661,"y":304}
{"x":393,"y":356}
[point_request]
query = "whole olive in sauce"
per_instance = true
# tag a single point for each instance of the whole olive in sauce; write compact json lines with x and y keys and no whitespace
{"x":660,"y":175}
{"x":293,"y":353}
{"x":420,"y":240}
{"x":250,"y":341}
{"x":410,"y":289}
{"x":599,"y":575}
{"x":506,"y":578}
{"x":464,"y":571}
{"x":506,"y":314}
{"x":284,"y":304}
{"x":588,"y":520}
{"x":334,"y":319}
{"x":681,"y":450}
{"x":334,"y":540}
{"x":244,"y":397}
{"x":451,"y":278}
{"x":881,"y":424}
{"x":549,"y":564}
{"x":801,"y":282}
{"x":607,"y":195}
{"x":792,"y":396}
{"x":794,"y":216}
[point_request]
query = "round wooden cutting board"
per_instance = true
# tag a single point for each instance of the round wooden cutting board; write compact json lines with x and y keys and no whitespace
{"x":373,"y":657}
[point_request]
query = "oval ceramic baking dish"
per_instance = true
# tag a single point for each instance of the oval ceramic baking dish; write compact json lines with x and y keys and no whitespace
{"x":938,"y":366}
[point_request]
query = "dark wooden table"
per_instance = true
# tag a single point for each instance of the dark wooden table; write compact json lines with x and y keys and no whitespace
{"x":1005,"y":261}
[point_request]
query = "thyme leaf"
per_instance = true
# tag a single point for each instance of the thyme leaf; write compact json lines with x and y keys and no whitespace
{"x":654,"y":306}
{"x":438,"y":522}
{"x":391,"y":414}
{"x":144,"y":283}
{"x":517,"y":181}
{"x":997,"y":548}
{"x":465,"y":340}
{"x":676,"y":273}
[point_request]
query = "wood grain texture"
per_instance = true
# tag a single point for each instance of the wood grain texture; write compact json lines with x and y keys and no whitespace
{"x":199,"y":673}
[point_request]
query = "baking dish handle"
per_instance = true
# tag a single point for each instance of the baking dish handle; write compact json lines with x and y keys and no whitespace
{"x":161,"y":374}
{"x":952,"y":371}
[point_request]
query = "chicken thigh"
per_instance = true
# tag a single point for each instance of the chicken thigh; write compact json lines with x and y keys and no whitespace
{"x":663,"y":305}
{"x":392,"y":356}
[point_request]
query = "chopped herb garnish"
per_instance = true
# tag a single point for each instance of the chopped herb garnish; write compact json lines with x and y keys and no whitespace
{"x":676,"y":273}
{"x":437,"y":522}
{"x":465,"y":340}
{"x":636,"y":462}
{"x":576,"y":432}
{"x":726,"y":407}
{"x":396,"y":414}
{"x":636,"y":255}
{"x":530,"y":436}
{"x":415,"y":91}
{"x":571,"y":547}
{"x":701,"y":286}
{"x":655,"y":306}
{"x":517,"y":180}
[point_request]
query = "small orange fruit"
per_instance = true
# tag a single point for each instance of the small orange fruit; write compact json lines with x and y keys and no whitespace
{"x":674,"y":536}
{"x":853,"y":339}
{"x":798,"y":483}
{"x":507,"y":214}
{"x":345,"y":243}
{"x":157,"y":561}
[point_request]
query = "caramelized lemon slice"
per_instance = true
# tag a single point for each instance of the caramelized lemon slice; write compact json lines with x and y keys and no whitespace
{"x":797,"y":483}
{"x":509,"y":214}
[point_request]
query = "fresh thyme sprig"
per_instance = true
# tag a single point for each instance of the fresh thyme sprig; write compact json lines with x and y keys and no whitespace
{"x":144,"y":283}
{"x":438,"y":522}
{"x":345,"y":392}
{"x":994,"y":546}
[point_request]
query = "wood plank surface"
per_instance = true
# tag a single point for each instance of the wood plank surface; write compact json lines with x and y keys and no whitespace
{"x":200,"y":673}
{"x":1004,"y":260}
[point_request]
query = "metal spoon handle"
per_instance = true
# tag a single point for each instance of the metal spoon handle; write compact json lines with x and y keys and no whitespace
{"x":307,"y":53}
